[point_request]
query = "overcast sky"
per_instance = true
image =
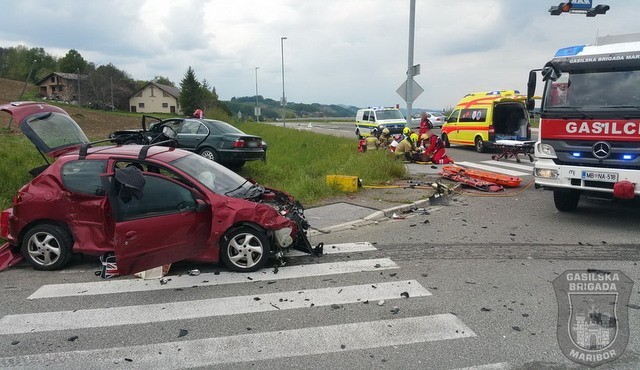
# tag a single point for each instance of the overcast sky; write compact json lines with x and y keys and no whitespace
{"x":352,"y":52}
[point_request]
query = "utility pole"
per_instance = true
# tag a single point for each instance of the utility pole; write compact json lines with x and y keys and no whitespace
{"x":257,"y":108}
{"x":284,"y":99}
{"x":410,"y":71}
{"x":113,"y":107}
{"x":78,"y":74}
{"x":24,"y":87}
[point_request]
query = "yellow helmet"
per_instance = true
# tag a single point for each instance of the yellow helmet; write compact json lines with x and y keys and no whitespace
{"x":414,"y":137}
{"x":406,"y":130}
{"x":386,"y":131}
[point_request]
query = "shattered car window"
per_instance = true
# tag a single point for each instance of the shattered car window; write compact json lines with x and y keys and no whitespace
{"x":56,"y":130}
{"x":83,"y":176}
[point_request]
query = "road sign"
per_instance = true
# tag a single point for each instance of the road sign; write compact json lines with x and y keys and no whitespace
{"x":417,"y":90}
{"x":581,"y":4}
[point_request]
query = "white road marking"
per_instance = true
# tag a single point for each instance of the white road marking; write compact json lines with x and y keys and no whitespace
{"x":518,"y":166}
{"x":256,"y":347}
{"x":493,"y":169}
{"x":337,"y":248}
{"x":127,"y":285}
{"x":184,"y":310}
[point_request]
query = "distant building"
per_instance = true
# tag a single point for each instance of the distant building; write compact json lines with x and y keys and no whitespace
{"x":59,"y":86}
{"x":155,"y":98}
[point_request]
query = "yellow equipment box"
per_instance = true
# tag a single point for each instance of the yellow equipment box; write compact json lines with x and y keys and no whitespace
{"x":344,"y":183}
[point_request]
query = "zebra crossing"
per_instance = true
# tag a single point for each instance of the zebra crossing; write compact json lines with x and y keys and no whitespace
{"x":240,"y":347}
{"x":507,"y":168}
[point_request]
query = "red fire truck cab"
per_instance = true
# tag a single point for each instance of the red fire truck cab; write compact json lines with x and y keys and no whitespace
{"x":589,"y":140}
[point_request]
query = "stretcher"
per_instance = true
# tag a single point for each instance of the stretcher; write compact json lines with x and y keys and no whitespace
{"x":512,"y":148}
{"x":459,"y":174}
{"x":489,"y":176}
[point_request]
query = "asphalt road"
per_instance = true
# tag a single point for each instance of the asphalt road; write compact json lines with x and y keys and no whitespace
{"x":468,"y":285}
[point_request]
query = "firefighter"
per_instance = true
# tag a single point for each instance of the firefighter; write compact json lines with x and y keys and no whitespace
{"x":385,"y":138}
{"x":373,"y":143}
{"x":407,"y":148}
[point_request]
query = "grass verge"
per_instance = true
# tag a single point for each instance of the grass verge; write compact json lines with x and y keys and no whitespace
{"x":298,"y":162}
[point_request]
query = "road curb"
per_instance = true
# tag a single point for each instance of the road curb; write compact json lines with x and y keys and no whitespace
{"x":370,"y":219}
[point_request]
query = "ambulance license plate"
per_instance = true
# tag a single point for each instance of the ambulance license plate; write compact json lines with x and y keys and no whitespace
{"x":600,"y":176}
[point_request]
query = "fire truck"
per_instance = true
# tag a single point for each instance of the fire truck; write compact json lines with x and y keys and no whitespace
{"x":589,"y":138}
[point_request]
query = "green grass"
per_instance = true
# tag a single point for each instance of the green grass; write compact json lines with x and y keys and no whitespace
{"x":17,"y":157}
{"x":298,"y":163}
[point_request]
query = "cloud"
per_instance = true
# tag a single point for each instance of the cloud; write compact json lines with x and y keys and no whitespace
{"x":336,"y":51}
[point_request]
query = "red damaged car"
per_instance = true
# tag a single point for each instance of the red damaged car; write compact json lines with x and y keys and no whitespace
{"x":150,"y":205}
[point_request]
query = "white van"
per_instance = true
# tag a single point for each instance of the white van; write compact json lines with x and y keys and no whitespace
{"x":379,"y":117}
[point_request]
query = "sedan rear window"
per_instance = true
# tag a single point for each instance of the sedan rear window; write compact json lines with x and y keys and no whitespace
{"x":220,"y":127}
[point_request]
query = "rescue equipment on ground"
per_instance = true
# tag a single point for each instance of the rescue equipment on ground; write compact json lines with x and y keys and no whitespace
{"x":493,"y":177}
{"x":512,"y":148}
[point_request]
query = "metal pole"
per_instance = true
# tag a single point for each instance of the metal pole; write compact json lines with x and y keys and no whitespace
{"x":79,"y":104}
{"x":112,"y":106}
{"x":284,"y":99}
{"x":24,"y":87}
{"x":412,"y":22}
{"x":257,"y":115}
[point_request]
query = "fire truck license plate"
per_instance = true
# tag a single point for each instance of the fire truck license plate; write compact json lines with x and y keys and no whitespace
{"x":600,"y":176}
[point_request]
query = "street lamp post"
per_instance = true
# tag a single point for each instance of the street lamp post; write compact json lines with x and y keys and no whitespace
{"x":257,"y":109}
{"x":284,"y":99}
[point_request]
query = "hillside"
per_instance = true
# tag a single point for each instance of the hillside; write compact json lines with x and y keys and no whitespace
{"x":96,"y":124}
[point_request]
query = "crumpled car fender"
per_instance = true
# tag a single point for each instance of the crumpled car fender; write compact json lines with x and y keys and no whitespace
{"x":8,"y":257}
{"x":231,"y":212}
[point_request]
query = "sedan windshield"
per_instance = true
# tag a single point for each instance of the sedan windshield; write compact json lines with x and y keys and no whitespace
{"x":214,"y":176}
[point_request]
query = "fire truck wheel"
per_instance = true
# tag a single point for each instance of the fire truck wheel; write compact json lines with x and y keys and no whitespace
{"x":566,"y":201}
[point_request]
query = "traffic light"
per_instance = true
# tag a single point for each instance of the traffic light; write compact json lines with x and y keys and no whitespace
{"x":599,"y":9}
{"x":561,"y":8}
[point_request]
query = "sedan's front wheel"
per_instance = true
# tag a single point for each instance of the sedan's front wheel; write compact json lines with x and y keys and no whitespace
{"x":245,"y":249}
{"x":47,"y":247}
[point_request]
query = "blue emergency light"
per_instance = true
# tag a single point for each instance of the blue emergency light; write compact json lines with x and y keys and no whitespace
{"x":576,"y":154}
{"x":570,"y":51}
{"x":627,"y":157}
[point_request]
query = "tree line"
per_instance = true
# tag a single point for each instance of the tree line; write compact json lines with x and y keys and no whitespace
{"x":101,"y":87}
{"x":108,"y":87}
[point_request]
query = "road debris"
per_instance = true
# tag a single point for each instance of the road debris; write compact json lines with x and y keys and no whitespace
{"x":194,"y":272}
{"x":182,"y":333}
{"x":395,"y":310}
{"x":381,"y":302}
{"x":484,"y":309}
{"x":404,"y":294}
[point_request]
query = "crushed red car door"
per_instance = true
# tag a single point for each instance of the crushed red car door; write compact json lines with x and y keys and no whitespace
{"x":167,"y":224}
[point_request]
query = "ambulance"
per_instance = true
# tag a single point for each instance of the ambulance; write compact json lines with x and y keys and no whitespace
{"x":481,"y":118}
{"x":379,"y":118}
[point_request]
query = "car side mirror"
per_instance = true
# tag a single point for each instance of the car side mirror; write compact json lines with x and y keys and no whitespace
{"x":201,"y":205}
